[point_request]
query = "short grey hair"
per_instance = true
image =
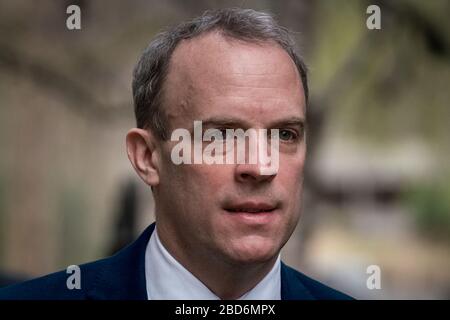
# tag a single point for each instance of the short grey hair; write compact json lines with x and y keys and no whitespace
{"x":151,"y":70}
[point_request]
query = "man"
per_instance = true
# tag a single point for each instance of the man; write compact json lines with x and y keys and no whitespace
{"x":219,"y":226}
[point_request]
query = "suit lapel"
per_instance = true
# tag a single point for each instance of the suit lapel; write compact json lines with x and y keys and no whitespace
{"x":122,"y":276}
{"x":291,"y":286}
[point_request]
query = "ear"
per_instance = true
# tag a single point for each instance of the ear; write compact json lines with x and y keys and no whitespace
{"x":141,"y":150}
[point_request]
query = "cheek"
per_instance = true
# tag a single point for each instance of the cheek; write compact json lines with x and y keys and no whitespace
{"x":290,"y":180}
{"x":291,"y":170}
{"x":198,"y":185}
{"x":196,"y":176}
{"x":211,"y":177}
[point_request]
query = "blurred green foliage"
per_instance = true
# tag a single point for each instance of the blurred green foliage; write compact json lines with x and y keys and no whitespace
{"x":430,"y":203}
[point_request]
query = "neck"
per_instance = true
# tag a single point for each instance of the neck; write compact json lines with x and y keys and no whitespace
{"x":227,"y":280}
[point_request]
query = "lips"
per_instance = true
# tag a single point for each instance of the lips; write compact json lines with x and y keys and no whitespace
{"x":250,"y":210}
{"x":251,"y":207}
{"x":253,"y":214}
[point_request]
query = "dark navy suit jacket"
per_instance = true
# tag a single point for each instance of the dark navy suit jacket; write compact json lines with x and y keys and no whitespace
{"x":122,"y":277}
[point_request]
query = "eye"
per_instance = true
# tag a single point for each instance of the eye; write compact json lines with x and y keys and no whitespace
{"x":287,"y":135}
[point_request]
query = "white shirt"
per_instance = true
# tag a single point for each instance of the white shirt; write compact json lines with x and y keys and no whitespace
{"x":167,"y":279}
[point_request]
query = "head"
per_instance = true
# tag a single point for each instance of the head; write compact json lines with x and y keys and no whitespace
{"x":230,"y":68}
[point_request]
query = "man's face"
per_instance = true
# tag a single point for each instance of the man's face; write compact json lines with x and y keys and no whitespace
{"x":208,"y":209}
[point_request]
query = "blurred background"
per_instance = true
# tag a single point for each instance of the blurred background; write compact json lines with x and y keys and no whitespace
{"x":378,"y":171}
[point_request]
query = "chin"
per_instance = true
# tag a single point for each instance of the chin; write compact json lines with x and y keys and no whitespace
{"x":251,"y":251}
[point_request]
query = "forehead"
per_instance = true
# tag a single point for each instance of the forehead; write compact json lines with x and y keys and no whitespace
{"x":212,"y":74}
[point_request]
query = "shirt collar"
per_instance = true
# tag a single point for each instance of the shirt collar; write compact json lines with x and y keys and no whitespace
{"x":167,"y":279}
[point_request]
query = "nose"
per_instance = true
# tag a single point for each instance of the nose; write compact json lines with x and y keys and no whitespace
{"x":253,"y":173}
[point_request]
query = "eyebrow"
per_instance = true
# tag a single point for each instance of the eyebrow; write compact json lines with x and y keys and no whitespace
{"x":291,"y":121}
{"x":236,"y":122}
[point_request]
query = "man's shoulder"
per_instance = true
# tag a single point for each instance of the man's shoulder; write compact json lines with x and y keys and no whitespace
{"x":296,"y":285}
{"x":119,"y":277}
{"x":61,"y":285}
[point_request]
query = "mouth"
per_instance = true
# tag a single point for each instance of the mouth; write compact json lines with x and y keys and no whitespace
{"x":253,"y":214}
{"x":251,"y":208}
